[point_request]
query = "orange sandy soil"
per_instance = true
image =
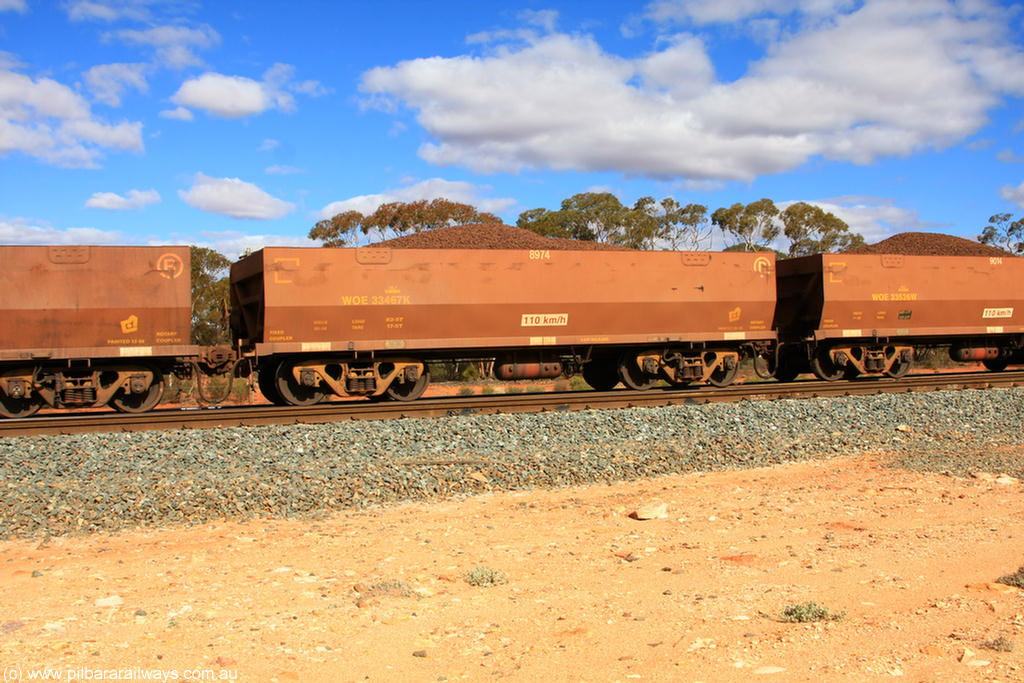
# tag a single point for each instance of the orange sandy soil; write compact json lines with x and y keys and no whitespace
{"x":592,"y":593}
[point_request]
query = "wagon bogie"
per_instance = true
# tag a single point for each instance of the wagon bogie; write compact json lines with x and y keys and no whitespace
{"x":304,"y":380}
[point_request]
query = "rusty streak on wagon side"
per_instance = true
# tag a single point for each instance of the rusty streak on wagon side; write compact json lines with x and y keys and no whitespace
{"x":373,"y":317}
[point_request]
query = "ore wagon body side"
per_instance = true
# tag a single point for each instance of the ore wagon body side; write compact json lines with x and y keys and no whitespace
{"x":852,"y":314}
{"x":91,"y":325}
{"x":375,"y":316}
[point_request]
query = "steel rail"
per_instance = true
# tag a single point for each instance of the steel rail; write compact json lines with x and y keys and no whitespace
{"x":251,"y":416}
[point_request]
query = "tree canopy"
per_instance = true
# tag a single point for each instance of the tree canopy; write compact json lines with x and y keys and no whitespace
{"x":812,"y":230}
{"x":396,"y":218}
{"x":210,"y":291}
{"x":601,"y":217}
{"x":748,"y":228}
{"x":1004,"y":233}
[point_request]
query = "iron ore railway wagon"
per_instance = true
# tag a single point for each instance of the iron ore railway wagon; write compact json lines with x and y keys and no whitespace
{"x":367,"y":321}
{"x":91,"y":326}
{"x":843,"y":315}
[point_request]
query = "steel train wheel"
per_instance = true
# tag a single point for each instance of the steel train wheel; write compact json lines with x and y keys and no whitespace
{"x":409,"y":391}
{"x":601,"y":375}
{"x":293,"y":393}
{"x":268,"y":387}
{"x":722,"y":376}
{"x":996,"y":365}
{"x":632,"y":376}
{"x":899,"y":369}
{"x":19,"y":407}
{"x":127,"y":402}
{"x":824,"y":368}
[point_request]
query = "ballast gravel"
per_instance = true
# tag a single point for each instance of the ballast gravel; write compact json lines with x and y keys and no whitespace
{"x":56,"y":485}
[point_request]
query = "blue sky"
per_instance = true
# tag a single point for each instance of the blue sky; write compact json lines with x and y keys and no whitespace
{"x":234,"y":125}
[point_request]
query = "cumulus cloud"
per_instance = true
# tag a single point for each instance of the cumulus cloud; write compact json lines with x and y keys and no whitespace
{"x":234,"y":244}
{"x":135,"y":199}
{"x":25,"y":231}
{"x":1008,"y":157}
{"x":175,"y":46}
{"x":717,"y":12}
{"x":283,"y":169}
{"x":179,"y":113}
{"x":432,"y":188}
{"x":233,"y":197}
{"x":107,"y":10}
{"x":1013,"y":194}
{"x":873,"y":217}
{"x":13,"y":5}
{"x":237,"y":96}
{"x":109,"y":81}
{"x":877,"y":79}
{"x":50,"y":121}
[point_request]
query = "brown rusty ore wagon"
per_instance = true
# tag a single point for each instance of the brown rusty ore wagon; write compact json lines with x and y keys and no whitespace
{"x":846,"y":314}
{"x":90,"y":325}
{"x":367,"y":321}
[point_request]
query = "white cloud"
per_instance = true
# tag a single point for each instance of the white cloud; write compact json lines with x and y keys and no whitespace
{"x":15,"y":5}
{"x":432,"y":188}
{"x":280,"y":169}
{"x":109,"y":81}
{"x":1008,"y":157}
{"x":50,"y":121}
{"x":237,"y":96}
{"x":179,"y":113}
{"x":233,"y":197}
{"x":1013,"y":194}
{"x":873,"y":217}
{"x":717,"y":11}
{"x":269,"y":144}
{"x":107,"y":10}
{"x":135,"y":199}
{"x":234,"y":244}
{"x":25,"y":231}
{"x":227,"y":96}
{"x":885,"y":79}
{"x":175,"y":45}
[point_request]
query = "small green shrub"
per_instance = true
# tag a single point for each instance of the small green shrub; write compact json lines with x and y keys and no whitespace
{"x":1015,"y":579}
{"x":466,"y":391}
{"x":562,"y":385}
{"x":487,"y":389}
{"x":809,"y":611}
{"x":470,"y":373}
{"x":577,"y":383}
{"x":534,"y":389}
{"x":513,"y":389}
{"x":485,"y":576}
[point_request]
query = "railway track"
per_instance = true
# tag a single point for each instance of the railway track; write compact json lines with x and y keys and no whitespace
{"x":241,"y":416}
{"x":251,"y":416}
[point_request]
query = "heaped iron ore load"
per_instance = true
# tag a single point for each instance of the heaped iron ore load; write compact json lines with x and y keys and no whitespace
{"x":846,"y":314}
{"x":489,"y":236}
{"x":365,"y":321}
{"x":929,"y":244}
{"x":89,"y":325}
